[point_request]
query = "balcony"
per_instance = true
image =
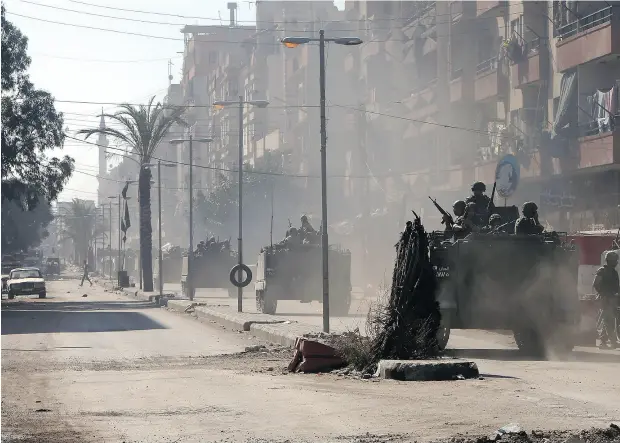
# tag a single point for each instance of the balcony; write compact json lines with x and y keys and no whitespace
{"x":590,"y":38}
{"x":490,"y":81}
{"x":456,"y":86}
{"x":422,"y":101}
{"x":599,"y":150}
{"x":527,"y":71}
{"x":490,"y":8}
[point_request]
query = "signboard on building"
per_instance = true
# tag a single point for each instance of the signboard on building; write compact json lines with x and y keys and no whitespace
{"x":507,"y":173}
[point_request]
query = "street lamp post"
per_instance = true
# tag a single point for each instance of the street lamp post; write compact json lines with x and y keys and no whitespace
{"x":190,"y":252}
{"x":241,"y":102}
{"x":160,"y":258}
{"x":111,"y":197}
{"x":292,"y":42}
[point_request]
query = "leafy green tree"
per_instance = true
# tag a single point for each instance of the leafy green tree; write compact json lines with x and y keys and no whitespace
{"x":218,"y":211}
{"x":31,"y":127}
{"x":142,"y":128}
{"x":80,"y":225}
{"x":23,"y":229}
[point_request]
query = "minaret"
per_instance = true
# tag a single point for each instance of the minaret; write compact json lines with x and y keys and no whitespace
{"x":102,"y":142}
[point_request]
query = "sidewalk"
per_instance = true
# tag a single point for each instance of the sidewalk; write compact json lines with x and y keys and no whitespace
{"x":272,"y":328}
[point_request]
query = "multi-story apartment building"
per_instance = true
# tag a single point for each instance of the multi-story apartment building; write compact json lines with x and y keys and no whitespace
{"x":469,"y":82}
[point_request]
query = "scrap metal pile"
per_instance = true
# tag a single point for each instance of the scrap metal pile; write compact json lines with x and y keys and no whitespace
{"x":407,"y":325}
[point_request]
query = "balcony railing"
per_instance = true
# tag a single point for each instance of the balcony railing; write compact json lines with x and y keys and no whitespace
{"x":487,"y":66}
{"x":531,"y":47}
{"x":585,"y":23}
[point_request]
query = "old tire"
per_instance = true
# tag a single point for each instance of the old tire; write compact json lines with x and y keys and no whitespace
{"x":232,"y":276}
{"x":265,"y":303}
{"x":340,"y":304}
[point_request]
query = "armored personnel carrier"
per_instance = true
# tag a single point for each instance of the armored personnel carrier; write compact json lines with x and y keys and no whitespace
{"x":210,"y":270}
{"x":523,"y":283}
{"x":296,"y":274}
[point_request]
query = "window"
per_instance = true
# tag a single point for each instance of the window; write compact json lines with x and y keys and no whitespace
{"x":516,"y":27}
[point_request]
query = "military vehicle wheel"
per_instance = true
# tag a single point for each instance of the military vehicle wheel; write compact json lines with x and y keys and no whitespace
{"x":529,"y":342}
{"x":340,"y":305}
{"x":265,"y":303}
{"x":11,"y":295}
{"x":443,"y":334}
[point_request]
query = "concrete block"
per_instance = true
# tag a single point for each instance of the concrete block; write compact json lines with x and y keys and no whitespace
{"x":427,"y":370}
{"x":311,"y":348}
{"x":320,"y":364}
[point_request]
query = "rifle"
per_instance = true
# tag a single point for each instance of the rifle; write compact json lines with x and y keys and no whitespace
{"x":414,"y":214}
{"x":447,"y":218}
{"x":492,"y":196}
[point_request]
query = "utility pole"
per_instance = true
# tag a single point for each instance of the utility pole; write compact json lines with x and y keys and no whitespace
{"x":324,"y":240}
{"x":241,"y":103}
{"x":292,"y":42}
{"x":110,"y":243}
{"x":190,"y":251}
{"x":161,"y":273}
{"x":240,"y":237}
{"x":119,"y":267}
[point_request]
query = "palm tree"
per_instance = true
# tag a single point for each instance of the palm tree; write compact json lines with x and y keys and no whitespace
{"x":142,"y":128}
{"x":80,"y":226}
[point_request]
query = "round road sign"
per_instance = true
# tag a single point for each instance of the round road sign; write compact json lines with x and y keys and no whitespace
{"x":507,"y":174}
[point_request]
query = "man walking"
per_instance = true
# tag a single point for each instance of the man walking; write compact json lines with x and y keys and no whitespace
{"x":607,"y":285}
{"x":85,"y":275}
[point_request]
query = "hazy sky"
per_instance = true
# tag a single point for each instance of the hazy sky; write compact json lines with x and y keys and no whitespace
{"x":78,"y":64}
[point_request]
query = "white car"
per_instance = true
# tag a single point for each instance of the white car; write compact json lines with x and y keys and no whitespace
{"x":26,"y":281}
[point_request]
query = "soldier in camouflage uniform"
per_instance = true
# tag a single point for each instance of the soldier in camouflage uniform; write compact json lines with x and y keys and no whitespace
{"x":607,"y":286}
{"x":483,"y":204}
{"x":528,"y":223}
{"x":466,"y":223}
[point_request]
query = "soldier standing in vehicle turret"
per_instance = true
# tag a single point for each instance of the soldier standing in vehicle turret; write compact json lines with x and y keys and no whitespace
{"x":528,"y":223}
{"x":483,"y":204}
{"x":465,"y":224}
{"x":458,"y":208}
{"x":607,"y":286}
{"x":306,"y":227}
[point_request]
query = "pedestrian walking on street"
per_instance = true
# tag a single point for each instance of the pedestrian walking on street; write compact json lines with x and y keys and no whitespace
{"x":85,"y":275}
{"x":607,"y":285}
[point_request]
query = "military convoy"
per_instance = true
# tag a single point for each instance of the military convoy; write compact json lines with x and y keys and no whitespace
{"x":296,"y":274}
{"x":209,"y":271}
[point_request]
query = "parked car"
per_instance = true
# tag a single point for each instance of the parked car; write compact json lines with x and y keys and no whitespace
{"x":26,"y":281}
{"x":7,"y":267}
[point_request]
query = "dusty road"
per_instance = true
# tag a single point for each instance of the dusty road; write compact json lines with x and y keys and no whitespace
{"x":105,"y":369}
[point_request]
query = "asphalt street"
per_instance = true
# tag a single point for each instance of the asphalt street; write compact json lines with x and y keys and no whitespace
{"x":104,"y":368}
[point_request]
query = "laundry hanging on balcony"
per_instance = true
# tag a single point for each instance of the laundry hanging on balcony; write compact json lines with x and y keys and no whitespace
{"x":604,"y":107}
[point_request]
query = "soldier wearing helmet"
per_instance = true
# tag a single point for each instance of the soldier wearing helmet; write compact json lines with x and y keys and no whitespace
{"x":607,"y":286}
{"x":465,"y":224}
{"x":484,"y":206}
{"x":495,"y":221}
{"x":306,"y":227}
{"x":528,"y":223}
{"x":458,"y":208}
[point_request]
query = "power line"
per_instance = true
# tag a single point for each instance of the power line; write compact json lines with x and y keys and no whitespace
{"x":105,"y":61}
{"x":207,"y":40}
{"x":262,"y":21}
{"x":241,"y":29}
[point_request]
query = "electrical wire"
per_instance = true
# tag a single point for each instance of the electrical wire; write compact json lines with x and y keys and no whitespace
{"x":105,"y":61}
{"x":256,"y":21}
{"x":244,"y":29}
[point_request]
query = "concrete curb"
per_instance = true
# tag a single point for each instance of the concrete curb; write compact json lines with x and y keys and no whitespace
{"x":241,"y":321}
{"x":427,"y":370}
